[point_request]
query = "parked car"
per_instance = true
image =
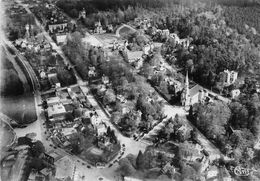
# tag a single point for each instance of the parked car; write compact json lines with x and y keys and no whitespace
{"x":19,"y":126}
{"x":110,"y":165}
{"x":205,"y":152}
{"x":100,"y":165}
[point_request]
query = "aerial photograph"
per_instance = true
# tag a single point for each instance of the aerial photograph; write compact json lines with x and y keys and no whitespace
{"x":130,"y":90}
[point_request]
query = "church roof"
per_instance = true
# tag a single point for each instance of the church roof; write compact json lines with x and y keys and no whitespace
{"x":195,"y":90}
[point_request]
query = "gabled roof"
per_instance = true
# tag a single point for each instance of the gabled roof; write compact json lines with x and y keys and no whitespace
{"x":195,"y":90}
{"x":134,"y":55}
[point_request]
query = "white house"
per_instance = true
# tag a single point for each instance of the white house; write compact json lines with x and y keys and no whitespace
{"x":235,"y":93}
{"x":61,"y":38}
{"x":56,"y":111}
{"x":230,"y":77}
{"x":52,"y":101}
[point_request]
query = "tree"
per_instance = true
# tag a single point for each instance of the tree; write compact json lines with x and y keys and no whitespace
{"x":37,"y":163}
{"x":188,"y":172}
{"x":132,"y":159}
{"x":125,"y":167}
{"x":194,"y":135}
{"x":37,"y":148}
{"x":186,"y":150}
{"x":113,"y":136}
{"x":140,"y":161}
{"x":11,"y":83}
{"x":242,"y":139}
{"x":108,"y":131}
{"x":66,"y":77}
{"x":164,"y":87}
{"x":190,"y":66}
{"x":120,"y":15}
{"x":109,"y":97}
{"x":239,"y":115}
{"x":162,"y":159}
{"x":25,"y":141}
{"x":211,"y":118}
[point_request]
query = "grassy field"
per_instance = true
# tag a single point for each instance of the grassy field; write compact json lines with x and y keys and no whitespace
{"x":125,"y":30}
{"x":20,"y":108}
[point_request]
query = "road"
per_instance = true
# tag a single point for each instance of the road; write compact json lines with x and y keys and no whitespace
{"x":127,"y":141}
{"x":171,"y":111}
{"x":132,"y":146}
{"x":50,"y":40}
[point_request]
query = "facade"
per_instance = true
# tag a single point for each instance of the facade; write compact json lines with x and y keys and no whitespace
{"x":148,"y":48}
{"x":52,"y":101}
{"x":61,"y":38}
{"x":57,"y":26}
{"x":54,"y":80}
{"x":235,"y":93}
{"x":134,"y":56}
{"x":185,"y":43}
{"x":82,"y":14}
{"x":230,"y":77}
{"x":56,"y":111}
{"x":98,"y":28}
{"x":166,"y":32}
{"x":185,"y":96}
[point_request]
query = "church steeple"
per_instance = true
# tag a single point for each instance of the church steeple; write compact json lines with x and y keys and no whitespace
{"x":187,"y":81}
{"x":186,"y":92}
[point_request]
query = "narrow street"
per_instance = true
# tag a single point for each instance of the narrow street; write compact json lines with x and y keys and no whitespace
{"x":54,"y":45}
{"x":131,"y":146}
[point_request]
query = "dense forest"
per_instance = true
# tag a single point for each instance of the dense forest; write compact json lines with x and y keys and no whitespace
{"x":246,"y":20}
{"x":93,"y":6}
{"x":234,"y":127}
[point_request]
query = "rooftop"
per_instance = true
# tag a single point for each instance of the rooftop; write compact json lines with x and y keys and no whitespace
{"x":195,"y":90}
{"x":134,"y":55}
{"x":52,"y":100}
{"x":56,"y":110}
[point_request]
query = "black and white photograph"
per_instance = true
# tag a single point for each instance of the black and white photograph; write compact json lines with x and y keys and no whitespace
{"x":130,"y":90}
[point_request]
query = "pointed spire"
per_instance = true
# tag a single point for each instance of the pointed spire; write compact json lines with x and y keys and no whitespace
{"x":187,"y":80}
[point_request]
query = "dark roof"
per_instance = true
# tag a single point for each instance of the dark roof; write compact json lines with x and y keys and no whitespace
{"x":53,"y":80}
{"x":69,"y":107}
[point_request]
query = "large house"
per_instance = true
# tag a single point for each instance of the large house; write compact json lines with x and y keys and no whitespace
{"x":82,"y":14}
{"x":61,"y":38}
{"x":230,"y":77}
{"x":183,"y":42}
{"x":56,"y":112}
{"x":54,"y":81}
{"x":57,"y":26}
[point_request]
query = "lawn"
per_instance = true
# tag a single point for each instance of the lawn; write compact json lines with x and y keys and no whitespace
{"x":125,"y":30}
{"x":20,"y":108}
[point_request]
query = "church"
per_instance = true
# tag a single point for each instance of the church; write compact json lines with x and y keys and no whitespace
{"x":191,"y":95}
